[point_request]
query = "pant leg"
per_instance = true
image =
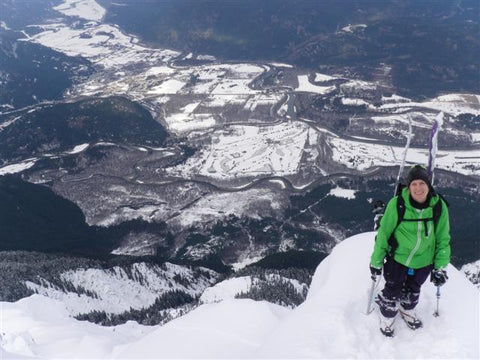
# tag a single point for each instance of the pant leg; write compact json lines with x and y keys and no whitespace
{"x":411,"y":289}
{"x":395,"y":275}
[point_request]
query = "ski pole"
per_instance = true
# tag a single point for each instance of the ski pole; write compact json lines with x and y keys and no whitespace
{"x":437,"y":312}
{"x":371,"y":293}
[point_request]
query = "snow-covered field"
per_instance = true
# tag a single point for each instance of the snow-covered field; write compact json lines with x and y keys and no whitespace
{"x":215,"y":85}
{"x":192,"y":100}
{"x":85,"y":9}
{"x":342,"y":193}
{"x":330,"y":324}
{"x":306,"y":86}
{"x":362,"y":156}
{"x":246,"y":151}
{"x":452,"y":104}
{"x":102,"y":44}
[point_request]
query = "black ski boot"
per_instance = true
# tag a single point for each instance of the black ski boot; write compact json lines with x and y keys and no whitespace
{"x":411,"y":318}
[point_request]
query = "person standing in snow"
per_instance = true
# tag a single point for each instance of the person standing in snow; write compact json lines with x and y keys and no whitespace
{"x":410,"y":250}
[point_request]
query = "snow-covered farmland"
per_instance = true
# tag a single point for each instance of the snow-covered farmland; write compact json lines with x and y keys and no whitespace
{"x":102,"y":44}
{"x":246,"y":151}
{"x":394,"y":120}
{"x":262,"y":99}
{"x":361,"y":156}
{"x":304,"y":85}
{"x":85,"y":9}
{"x":186,"y":122}
{"x":171,"y":86}
{"x":233,"y":87}
{"x":452,"y":104}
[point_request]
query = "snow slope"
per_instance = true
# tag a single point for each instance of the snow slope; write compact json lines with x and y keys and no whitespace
{"x":329,"y":324}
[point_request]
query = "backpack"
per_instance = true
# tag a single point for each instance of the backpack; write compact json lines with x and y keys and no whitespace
{"x":437,"y":211}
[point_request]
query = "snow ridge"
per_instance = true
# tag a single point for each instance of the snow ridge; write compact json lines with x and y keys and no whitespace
{"x":330,"y":324}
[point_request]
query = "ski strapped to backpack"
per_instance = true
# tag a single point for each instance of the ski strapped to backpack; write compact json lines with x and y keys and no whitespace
{"x":437,"y":211}
{"x":379,"y":205}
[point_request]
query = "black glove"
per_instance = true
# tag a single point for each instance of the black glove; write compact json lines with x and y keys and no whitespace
{"x":438,"y":277}
{"x":375,"y":272}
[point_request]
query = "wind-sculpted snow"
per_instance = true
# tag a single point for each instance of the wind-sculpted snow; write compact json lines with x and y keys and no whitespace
{"x":330,"y":324}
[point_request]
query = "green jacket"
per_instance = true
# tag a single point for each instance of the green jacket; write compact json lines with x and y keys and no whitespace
{"x":414,"y":250}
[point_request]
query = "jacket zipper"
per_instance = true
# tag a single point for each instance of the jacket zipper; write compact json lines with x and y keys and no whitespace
{"x":419,"y":240}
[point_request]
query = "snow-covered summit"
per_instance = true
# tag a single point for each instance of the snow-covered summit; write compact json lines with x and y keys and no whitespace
{"x":329,"y":324}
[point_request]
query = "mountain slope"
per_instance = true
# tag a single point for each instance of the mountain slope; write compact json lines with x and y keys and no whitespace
{"x":60,"y":127}
{"x":330,"y":324}
{"x":33,"y":217}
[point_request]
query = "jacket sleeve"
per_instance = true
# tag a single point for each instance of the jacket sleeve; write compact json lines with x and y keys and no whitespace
{"x":442,"y":239}
{"x":387,"y":226}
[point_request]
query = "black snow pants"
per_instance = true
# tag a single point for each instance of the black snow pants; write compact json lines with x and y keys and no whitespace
{"x":402,"y":285}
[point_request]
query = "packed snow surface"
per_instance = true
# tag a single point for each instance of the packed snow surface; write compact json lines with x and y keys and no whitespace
{"x":330,"y":324}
